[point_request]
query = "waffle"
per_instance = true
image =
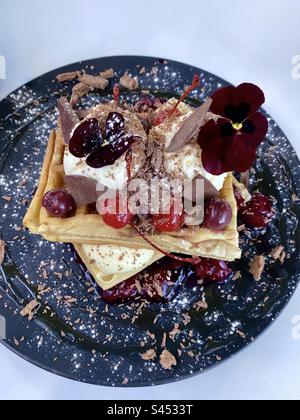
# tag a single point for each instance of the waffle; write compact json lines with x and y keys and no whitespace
{"x":89,"y":229}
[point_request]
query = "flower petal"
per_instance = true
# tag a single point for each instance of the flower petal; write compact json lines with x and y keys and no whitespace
{"x":237,"y":103}
{"x":214,"y":146}
{"x":255,"y":129}
{"x":240,"y":154}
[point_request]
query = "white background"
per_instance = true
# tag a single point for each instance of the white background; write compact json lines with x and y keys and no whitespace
{"x":238,"y":40}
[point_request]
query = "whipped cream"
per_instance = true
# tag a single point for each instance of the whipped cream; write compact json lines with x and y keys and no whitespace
{"x":112,"y":259}
{"x":186,"y":163}
{"x":113,"y":177}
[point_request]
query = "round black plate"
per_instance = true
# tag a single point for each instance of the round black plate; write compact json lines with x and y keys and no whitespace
{"x":73,"y":333}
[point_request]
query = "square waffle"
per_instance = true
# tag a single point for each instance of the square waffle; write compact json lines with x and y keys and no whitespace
{"x":89,"y":229}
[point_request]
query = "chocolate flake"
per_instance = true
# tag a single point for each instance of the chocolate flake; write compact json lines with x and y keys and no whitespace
{"x":190,"y":128}
{"x":149,"y":355}
{"x":68,"y":118}
{"x":7,"y":198}
{"x":128,"y":82}
{"x":68,"y":77}
{"x":107,"y":74}
{"x":94,"y":82}
{"x":2,"y":252}
{"x":277,"y":252}
{"x":257,"y":267}
{"x":167,"y":360}
{"x":29,"y":309}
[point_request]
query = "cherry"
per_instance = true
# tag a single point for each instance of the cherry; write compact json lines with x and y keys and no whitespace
{"x":107,"y":155}
{"x":86,"y":138}
{"x":217,"y":215}
{"x":212,"y":270}
{"x":159,"y":283}
{"x":117,"y":220}
{"x":168,"y":222}
{"x":114,"y":127}
{"x":59,"y":203}
{"x":258,"y":212}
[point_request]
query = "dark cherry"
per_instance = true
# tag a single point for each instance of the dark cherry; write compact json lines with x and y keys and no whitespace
{"x":212,"y":270}
{"x":258,"y":212}
{"x":86,"y":138}
{"x":159,"y":283}
{"x":107,"y":155}
{"x":114,"y":127}
{"x":218,"y":214}
{"x":59,"y":203}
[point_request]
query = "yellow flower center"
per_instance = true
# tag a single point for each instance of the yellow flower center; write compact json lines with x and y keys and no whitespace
{"x":237,"y":126}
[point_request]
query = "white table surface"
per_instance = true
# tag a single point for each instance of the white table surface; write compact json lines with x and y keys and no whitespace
{"x":238,"y":40}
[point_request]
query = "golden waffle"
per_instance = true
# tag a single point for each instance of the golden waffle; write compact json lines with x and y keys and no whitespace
{"x":86,"y":228}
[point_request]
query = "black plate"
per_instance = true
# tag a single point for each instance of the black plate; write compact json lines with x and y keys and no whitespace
{"x":75,"y":339}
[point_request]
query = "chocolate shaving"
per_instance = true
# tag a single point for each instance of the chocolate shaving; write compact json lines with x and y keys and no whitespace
{"x":94,"y":82}
{"x":167,"y":360}
{"x":257,"y":267}
{"x":78,"y":92}
{"x":190,"y":128}
{"x":68,"y":77}
{"x":277,"y":252}
{"x":81,"y":89}
{"x":128,"y":82}
{"x":82,"y":189}
{"x":107,"y":74}
{"x":29,"y":309}
{"x":149,"y":355}
{"x":68,"y":118}
{"x":2,"y":251}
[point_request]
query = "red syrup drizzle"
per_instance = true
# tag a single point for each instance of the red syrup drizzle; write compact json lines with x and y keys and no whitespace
{"x":163,"y":115}
{"x":190,"y":89}
{"x":116,"y":92}
{"x":194,"y":260}
{"x":129,"y":164}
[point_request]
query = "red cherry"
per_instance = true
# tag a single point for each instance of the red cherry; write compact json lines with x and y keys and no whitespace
{"x":212,"y":270}
{"x":258,"y":212}
{"x":218,"y":214}
{"x":117,"y":220}
{"x":59,"y":203}
{"x":168,"y":222}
